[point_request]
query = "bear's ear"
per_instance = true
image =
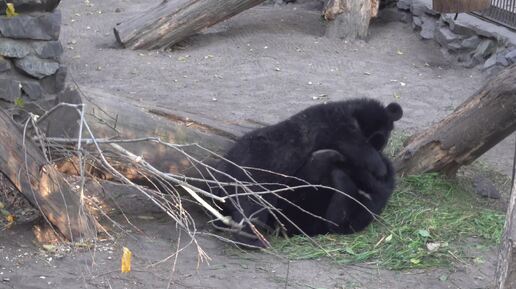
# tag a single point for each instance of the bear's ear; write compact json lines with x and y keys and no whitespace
{"x":394,"y":110}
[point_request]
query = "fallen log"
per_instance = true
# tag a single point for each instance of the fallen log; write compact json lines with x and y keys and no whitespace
{"x":482,"y":121}
{"x":25,"y":166}
{"x":172,"y":21}
{"x":110,"y":119}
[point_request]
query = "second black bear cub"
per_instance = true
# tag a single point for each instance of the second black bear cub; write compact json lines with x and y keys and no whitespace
{"x":345,"y":138}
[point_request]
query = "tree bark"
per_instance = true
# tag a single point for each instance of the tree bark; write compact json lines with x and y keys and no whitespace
{"x":172,"y":21}
{"x":478,"y":124}
{"x":506,"y":269}
{"x":349,"y":19}
{"x":457,"y":6}
{"x":42,"y":184}
{"x":132,"y":121}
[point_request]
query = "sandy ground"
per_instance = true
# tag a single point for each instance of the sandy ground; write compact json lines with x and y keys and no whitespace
{"x":24,"y":266}
{"x":264,"y":64}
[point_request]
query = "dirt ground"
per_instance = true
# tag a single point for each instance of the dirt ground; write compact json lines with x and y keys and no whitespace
{"x":265,"y":64}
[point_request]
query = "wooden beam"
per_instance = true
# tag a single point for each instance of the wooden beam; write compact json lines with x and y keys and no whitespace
{"x":42,"y":184}
{"x":478,"y":124}
{"x":172,"y":21}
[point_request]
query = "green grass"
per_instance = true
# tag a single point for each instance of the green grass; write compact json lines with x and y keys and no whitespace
{"x":429,"y":222}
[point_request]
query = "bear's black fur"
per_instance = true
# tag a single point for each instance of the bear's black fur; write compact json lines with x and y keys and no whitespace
{"x":356,"y":130}
{"x":355,"y":197}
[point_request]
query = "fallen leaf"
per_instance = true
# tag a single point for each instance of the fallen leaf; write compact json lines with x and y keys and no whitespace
{"x":10,"y":11}
{"x":423,"y":233}
{"x":389,"y":238}
{"x":126,"y":260}
{"x":49,"y":247}
{"x":432,"y":247}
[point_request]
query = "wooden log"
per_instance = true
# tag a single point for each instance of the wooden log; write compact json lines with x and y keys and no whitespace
{"x":506,"y":268}
{"x":349,"y":19}
{"x":458,"y":6}
{"x":483,"y":120}
{"x":110,"y":119}
{"x":42,"y":184}
{"x":172,"y":21}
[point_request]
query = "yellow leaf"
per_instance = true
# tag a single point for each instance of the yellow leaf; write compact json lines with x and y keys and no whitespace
{"x":126,"y":260}
{"x":49,"y":247}
{"x":10,"y":218}
{"x":10,"y":12}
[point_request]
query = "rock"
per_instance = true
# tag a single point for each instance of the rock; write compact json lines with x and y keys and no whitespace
{"x":56,"y":82}
{"x":445,"y":37}
{"x":5,"y":64}
{"x":501,"y":60}
{"x":24,"y":6}
{"x":485,"y":187}
{"x":490,"y":62}
{"x":416,"y":22}
{"x":470,"y":42}
{"x":422,"y":7}
{"x":485,"y":49}
{"x":48,"y":49}
{"x":14,"y":48}
{"x":406,"y":17}
{"x":70,"y":127}
{"x":32,"y":89}
{"x":391,"y":14}
{"x":511,"y":56}
{"x":456,"y":26}
{"x":467,"y":60}
{"x":10,"y":89}
{"x":404,"y":4}
{"x":428,"y":28}
{"x":36,"y":26}
{"x":37,"y":67}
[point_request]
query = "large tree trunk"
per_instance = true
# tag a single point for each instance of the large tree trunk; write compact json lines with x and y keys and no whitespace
{"x":132,"y":121}
{"x":474,"y":127}
{"x":42,"y":184}
{"x":172,"y":21}
{"x":349,"y":19}
{"x":506,"y":269}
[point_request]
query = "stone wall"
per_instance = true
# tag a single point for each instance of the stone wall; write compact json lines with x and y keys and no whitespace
{"x":30,"y":51}
{"x":468,"y":40}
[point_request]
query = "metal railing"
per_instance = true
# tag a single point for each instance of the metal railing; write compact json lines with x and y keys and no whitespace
{"x":502,"y":12}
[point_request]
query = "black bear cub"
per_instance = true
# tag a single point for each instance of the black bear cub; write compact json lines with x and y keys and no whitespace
{"x":336,"y":145}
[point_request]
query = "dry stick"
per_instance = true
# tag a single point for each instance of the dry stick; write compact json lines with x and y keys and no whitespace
{"x":176,"y":178}
{"x":201,"y":253}
{"x":187,"y":187}
{"x":181,"y":179}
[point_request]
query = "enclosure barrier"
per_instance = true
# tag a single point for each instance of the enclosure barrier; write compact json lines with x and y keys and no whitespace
{"x":501,"y":12}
